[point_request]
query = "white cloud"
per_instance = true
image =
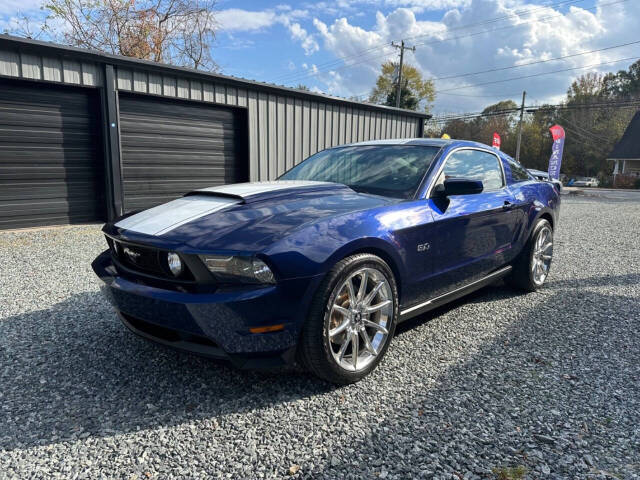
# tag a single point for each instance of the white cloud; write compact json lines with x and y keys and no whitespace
{"x":542,"y":34}
{"x":419,"y":6}
{"x":357,"y":7}
{"x":238,"y":20}
{"x":234,"y":20}
{"x":313,"y":68}
{"x":307,"y":41}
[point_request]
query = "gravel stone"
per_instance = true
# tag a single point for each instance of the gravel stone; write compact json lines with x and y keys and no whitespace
{"x":467,"y":391}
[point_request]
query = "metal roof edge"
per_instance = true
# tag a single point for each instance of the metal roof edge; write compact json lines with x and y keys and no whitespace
{"x":28,"y":44}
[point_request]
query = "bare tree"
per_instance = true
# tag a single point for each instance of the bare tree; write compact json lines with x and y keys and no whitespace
{"x":25,"y":26}
{"x":178,"y":32}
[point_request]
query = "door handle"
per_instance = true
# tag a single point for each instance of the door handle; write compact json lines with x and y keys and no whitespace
{"x":507,"y":205}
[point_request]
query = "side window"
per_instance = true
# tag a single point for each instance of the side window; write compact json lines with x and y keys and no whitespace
{"x":475,"y":165}
{"x":518,"y":172}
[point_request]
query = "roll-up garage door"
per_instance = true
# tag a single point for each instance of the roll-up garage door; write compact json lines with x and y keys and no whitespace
{"x":51,"y":169}
{"x":171,"y":147}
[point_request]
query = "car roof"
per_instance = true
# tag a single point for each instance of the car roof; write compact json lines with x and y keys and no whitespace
{"x":428,"y":142}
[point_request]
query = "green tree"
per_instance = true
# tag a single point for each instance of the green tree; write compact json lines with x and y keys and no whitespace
{"x":420,"y":89}
{"x":625,"y":84}
{"x":481,"y":129}
{"x":591,"y":132}
{"x":407,"y":98}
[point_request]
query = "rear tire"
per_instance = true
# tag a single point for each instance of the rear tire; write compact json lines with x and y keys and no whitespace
{"x":531,"y":267}
{"x":351,"y":321}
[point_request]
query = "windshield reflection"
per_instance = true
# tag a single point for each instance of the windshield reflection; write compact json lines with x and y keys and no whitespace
{"x":387,"y":170}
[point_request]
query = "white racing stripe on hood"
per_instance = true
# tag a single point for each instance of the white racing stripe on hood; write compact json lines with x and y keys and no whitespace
{"x":164,"y":218}
{"x":255,"y":188}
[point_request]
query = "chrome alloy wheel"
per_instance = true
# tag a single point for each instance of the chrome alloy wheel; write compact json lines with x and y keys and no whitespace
{"x":542,"y":255}
{"x":359,"y":317}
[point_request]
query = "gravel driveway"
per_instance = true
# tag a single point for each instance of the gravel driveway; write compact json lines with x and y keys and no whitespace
{"x":498,"y":385}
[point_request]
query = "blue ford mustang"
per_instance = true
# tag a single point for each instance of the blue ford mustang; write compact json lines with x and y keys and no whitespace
{"x":321,"y":265}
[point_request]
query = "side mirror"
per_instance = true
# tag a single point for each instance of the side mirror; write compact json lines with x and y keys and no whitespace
{"x":458,"y":186}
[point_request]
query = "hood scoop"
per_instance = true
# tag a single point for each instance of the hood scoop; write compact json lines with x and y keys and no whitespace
{"x":254,"y":191}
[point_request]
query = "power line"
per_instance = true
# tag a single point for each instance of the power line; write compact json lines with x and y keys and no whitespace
{"x":592,"y":141}
{"x":532,"y":109}
{"x":446,"y":91}
{"x":337,"y":61}
{"x":537,"y":75}
{"x":508,"y":27}
{"x":586,"y":132}
{"x":318,"y":71}
{"x":515,"y":14}
{"x":497,"y":95}
{"x":537,"y":62}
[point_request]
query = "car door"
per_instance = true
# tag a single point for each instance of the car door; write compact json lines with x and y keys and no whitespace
{"x":472,"y":234}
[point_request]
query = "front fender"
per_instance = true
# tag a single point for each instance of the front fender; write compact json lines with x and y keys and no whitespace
{"x":385,"y":248}
{"x":314,"y":249}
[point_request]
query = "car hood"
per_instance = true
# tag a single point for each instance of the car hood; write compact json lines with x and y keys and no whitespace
{"x":243,"y":217}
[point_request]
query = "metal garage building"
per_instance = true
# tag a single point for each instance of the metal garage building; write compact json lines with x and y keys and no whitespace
{"x":86,"y":136}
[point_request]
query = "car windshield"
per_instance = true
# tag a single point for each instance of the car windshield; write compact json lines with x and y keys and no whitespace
{"x":387,"y":170}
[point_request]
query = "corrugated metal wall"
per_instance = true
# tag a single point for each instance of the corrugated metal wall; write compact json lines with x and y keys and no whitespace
{"x":53,"y":69}
{"x":283,"y":130}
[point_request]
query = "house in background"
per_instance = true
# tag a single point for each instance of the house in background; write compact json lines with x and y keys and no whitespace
{"x":626,"y":153}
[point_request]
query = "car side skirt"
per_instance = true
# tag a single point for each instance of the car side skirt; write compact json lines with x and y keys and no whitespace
{"x":438,"y":301}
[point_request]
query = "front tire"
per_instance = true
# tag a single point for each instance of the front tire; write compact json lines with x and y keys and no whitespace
{"x":352,"y":320}
{"x":531,"y":267}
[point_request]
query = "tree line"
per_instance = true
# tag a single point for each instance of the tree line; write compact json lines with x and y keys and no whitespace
{"x":591,"y":114}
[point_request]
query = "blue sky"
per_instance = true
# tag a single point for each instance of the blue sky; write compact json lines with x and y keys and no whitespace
{"x":337,"y":46}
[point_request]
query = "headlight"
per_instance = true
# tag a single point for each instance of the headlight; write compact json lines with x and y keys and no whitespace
{"x":238,"y":269}
{"x":175,"y":264}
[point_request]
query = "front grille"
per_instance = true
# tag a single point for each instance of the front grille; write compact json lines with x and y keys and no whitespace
{"x":136,"y":257}
{"x":144,"y":259}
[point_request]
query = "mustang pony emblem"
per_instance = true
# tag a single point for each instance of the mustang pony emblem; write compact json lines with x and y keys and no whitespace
{"x":133,"y":255}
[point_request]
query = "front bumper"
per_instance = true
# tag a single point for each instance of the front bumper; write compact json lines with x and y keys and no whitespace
{"x":213,"y":324}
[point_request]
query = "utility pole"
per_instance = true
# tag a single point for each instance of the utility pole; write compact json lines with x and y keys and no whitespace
{"x":524,"y":94}
{"x":399,"y":86}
